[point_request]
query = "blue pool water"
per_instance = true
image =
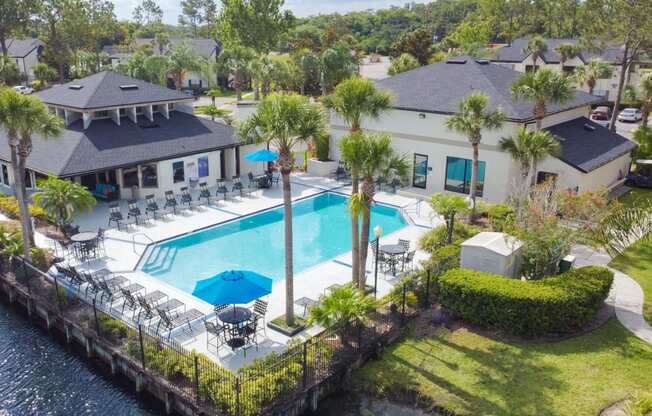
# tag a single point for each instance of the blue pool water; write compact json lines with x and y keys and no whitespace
{"x":322,"y":231}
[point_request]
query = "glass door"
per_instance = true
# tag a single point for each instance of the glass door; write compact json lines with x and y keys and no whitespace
{"x":420,"y":171}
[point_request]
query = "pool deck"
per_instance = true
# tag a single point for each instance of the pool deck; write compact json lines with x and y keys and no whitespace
{"x":125,"y":248}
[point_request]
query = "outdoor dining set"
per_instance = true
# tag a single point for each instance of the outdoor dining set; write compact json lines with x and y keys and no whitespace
{"x":83,"y":246}
{"x":393,"y":258}
{"x":342,"y":173}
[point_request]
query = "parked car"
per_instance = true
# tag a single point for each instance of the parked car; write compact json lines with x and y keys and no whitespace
{"x":630,"y":114}
{"x":21,"y":89}
{"x":601,"y":115}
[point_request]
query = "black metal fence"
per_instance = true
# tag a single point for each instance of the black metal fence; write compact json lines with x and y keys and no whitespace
{"x":264,"y":386}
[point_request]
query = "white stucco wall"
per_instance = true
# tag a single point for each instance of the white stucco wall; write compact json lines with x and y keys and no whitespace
{"x":605,"y":176}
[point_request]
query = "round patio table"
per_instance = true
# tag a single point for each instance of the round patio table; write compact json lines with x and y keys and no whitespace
{"x":83,"y":244}
{"x":84,"y":237}
{"x":393,"y":250}
{"x":234,"y":315}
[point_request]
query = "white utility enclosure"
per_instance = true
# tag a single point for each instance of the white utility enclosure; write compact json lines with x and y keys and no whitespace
{"x":496,"y":253}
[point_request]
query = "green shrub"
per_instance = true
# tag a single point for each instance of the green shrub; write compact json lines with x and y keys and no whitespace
{"x":501,"y":216}
{"x":436,"y":238}
{"x":112,"y":328}
{"x":9,"y":207}
{"x":558,"y":304}
{"x":322,"y":147}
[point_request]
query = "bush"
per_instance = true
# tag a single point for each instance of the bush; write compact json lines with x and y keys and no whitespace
{"x":436,"y":238}
{"x":558,"y":304}
{"x":322,"y":147}
{"x":501,"y":216}
{"x":9,"y":207}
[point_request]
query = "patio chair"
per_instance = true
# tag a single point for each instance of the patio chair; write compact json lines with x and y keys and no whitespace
{"x":213,"y":334}
{"x":239,"y":187}
{"x":151,"y":207}
{"x":186,"y":197}
{"x":130,"y":302}
{"x":395,"y":184}
{"x":222,"y":189}
{"x":234,"y":338}
{"x":171,"y":321}
{"x":404,"y":243}
{"x":204,"y":193}
{"x":115,"y":215}
{"x":101,"y":237}
{"x":69,"y":230}
{"x":250,"y":334}
{"x":275,"y":179}
{"x":148,"y":303}
{"x":219,"y":308}
{"x":133,"y":210}
{"x":380,"y":181}
{"x":73,"y":279}
{"x":253,"y":182}
{"x":171,"y":201}
{"x":408,"y":261}
{"x":259,"y":311}
{"x":113,"y":292}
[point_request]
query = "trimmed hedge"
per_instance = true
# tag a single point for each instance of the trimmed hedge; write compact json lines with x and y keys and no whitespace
{"x":9,"y":207}
{"x":553,"y":305}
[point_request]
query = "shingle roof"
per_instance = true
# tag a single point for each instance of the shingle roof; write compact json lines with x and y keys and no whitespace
{"x":105,"y":145}
{"x":586,"y":145}
{"x":438,"y":88}
{"x":514,"y":52}
{"x":203,"y":47}
{"x":103,"y":90}
{"x":19,"y":48}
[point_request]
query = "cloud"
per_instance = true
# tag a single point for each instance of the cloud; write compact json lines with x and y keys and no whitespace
{"x":172,"y":8}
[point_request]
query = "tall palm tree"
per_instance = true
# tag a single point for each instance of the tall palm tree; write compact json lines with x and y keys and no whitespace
{"x":283,"y":121}
{"x":472,"y":117}
{"x":183,"y":59}
{"x":566,"y":51}
{"x":379,"y":158}
{"x":529,"y":148}
{"x":542,"y":87}
{"x":62,"y":199}
{"x":536,"y":47}
{"x":590,"y":74}
{"x":235,"y":61}
{"x":353,"y":100}
{"x":22,"y":116}
{"x":643,"y":94}
{"x":213,"y":93}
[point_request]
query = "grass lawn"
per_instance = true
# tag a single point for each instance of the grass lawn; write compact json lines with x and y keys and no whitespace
{"x":637,"y":195}
{"x":474,"y":375}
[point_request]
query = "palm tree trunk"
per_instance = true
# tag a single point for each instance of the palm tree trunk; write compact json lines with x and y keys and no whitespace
{"x":355,"y":234}
{"x":645,"y":114}
{"x":474,"y":180}
{"x":621,"y":85}
{"x":238,"y":89}
{"x":18,"y":165}
{"x":289,"y":277}
{"x":368,"y":187}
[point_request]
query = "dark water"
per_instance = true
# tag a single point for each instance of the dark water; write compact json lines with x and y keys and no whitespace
{"x":38,"y":376}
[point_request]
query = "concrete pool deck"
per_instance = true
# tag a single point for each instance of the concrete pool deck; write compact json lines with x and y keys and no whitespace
{"x":125,"y":248}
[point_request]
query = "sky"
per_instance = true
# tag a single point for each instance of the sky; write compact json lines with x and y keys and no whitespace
{"x":171,"y":8}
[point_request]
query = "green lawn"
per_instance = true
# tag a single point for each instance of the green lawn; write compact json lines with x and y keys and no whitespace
{"x":636,"y":261}
{"x":637,"y":195}
{"x":474,"y":375}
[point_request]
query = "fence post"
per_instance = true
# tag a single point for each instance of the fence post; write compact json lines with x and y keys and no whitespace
{"x":237,"y":396}
{"x":428,"y":287}
{"x":29,"y":287}
{"x":403,"y":307}
{"x":56,"y":291}
{"x":304,"y":363}
{"x":142,"y":347}
{"x":97,"y":322}
{"x":196,"y":377}
{"x":359,"y":325}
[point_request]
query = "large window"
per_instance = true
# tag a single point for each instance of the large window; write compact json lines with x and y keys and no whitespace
{"x":5,"y":175}
{"x":129,"y":177}
{"x":178,"y":173}
{"x":28,"y":179}
{"x":458,"y":175}
{"x":149,"y":175}
{"x":202,"y":166}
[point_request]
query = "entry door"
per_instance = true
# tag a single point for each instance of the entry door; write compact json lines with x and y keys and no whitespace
{"x":420,"y":171}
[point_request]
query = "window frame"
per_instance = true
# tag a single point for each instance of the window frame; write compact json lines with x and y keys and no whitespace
{"x":466,"y":184}
{"x":208,"y":171}
{"x":174,"y":169}
{"x":414,"y":171}
{"x":124,"y":182}
{"x":142,"y":175}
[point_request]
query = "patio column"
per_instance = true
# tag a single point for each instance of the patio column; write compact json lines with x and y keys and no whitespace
{"x":165,"y":110}
{"x":131,"y":113}
{"x":88,"y":117}
{"x":148,"y":111}
{"x":115,"y":116}
{"x":229,"y":163}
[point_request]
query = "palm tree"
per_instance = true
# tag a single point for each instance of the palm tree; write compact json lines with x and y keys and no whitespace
{"x":352,"y":100}
{"x":590,"y":74}
{"x":542,"y":87}
{"x":379,"y":157}
{"x":212,"y":111}
{"x":536,"y":47}
{"x":161,"y":41}
{"x":283,"y":121}
{"x":643,"y":94}
{"x":235,"y":61}
{"x":566,"y":51}
{"x":62,"y":199}
{"x":473,"y":116}
{"x":529,"y":148}
{"x":214,"y":93}
{"x":22,"y":116}
{"x":183,"y":59}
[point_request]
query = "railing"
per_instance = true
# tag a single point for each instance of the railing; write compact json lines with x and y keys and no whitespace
{"x":133,"y":242}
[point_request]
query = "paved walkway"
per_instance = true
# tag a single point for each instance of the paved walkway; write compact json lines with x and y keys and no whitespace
{"x":626,"y":294}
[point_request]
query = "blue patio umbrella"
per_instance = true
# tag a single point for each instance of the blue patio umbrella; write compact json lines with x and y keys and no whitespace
{"x":262,"y":155}
{"x":233,"y":286}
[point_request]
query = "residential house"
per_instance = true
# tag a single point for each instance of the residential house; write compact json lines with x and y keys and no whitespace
{"x":206,"y":48}
{"x":424,"y":98}
{"x":126,"y":137}
{"x":26,"y":53}
{"x":514,"y":57}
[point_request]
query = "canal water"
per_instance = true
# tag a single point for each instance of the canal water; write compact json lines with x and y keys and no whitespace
{"x":39,"y":377}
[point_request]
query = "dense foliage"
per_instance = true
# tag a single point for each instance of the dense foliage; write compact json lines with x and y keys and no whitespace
{"x":558,"y":304}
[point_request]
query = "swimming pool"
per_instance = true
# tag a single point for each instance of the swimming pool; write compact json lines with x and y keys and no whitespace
{"x":322,"y":231}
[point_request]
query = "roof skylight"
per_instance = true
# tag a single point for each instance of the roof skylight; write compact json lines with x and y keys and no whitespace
{"x":75,"y":87}
{"x":129,"y":87}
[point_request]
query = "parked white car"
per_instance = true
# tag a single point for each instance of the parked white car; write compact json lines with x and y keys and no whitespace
{"x":21,"y":89}
{"x":630,"y":114}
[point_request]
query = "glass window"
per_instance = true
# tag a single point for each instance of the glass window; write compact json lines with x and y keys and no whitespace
{"x":5,"y":175}
{"x":129,"y":177}
{"x":149,"y":176}
{"x":458,"y":175}
{"x":178,"y":173}
{"x":28,"y":179}
{"x":420,"y":172}
{"x":202,"y":164}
